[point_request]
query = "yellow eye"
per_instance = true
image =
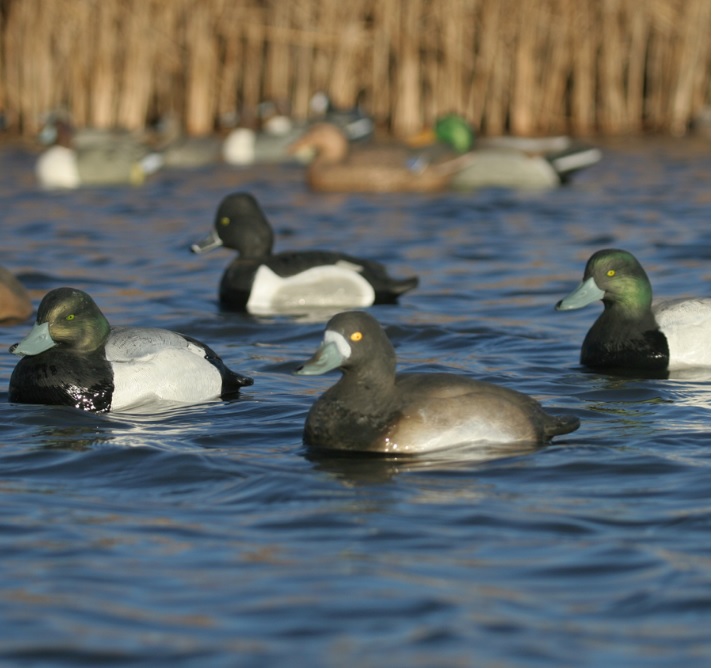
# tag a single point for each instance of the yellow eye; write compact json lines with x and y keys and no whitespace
{"x":356,"y":336}
{"x":70,"y":317}
{"x":225,"y":220}
{"x":611,"y":272}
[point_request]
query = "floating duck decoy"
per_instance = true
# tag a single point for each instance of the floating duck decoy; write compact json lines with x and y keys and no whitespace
{"x":179,"y":151}
{"x":72,"y":357}
{"x":95,"y":158}
{"x":263,"y":138}
{"x":509,"y":162}
{"x":336,"y":166}
{"x":15,"y":303}
{"x":354,"y":122}
{"x":633,"y":332}
{"x":374,"y":409}
{"x":261,"y":282}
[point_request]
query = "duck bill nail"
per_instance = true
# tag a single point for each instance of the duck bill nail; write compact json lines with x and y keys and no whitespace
{"x":36,"y":342}
{"x":586,"y":293}
{"x":324,"y":360}
{"x":207,"y":244}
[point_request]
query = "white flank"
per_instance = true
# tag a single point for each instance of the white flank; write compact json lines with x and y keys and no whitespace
{"x":686,"y":323}
{"x":327,"y":286}
{"x":156,"y":365}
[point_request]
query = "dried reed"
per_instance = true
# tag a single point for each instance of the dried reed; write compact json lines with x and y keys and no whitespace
{"x":525,"y":67}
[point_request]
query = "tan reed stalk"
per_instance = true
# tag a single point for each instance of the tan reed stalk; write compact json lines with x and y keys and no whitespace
{"x":103,"y":81}
{"x":378,"y":80}
{"x":691,"y":44}
{"x":553,"y":75}
{"x":252,"y":75}
{"x":584,"y":47}
{"x":231,"y":41}
{"x":304,"y":54}
{"x":527,"y":59}
{"x":486,"y":48}
{"x":201,"y":71}
{"x":406,"y":111}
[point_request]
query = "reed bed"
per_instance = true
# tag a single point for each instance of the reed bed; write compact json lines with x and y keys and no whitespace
{"x":518,"y":66}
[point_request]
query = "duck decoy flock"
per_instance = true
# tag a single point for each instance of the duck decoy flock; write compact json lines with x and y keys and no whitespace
{"x":73,"y":357}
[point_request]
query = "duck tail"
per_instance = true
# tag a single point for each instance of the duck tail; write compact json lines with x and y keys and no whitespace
{"x":573,"y":159}
{"x":233,"y":382}
{"x":561,"y":424}
{"x":400,"y":285}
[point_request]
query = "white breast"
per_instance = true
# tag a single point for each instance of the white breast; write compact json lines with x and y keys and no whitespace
{"x":57,"y":168}
{"x":328,"y":286}
{"x":156,"y":365}
{"x":686,"y":323}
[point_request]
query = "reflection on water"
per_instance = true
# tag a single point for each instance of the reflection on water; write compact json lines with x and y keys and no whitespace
{"x":209,"y":535}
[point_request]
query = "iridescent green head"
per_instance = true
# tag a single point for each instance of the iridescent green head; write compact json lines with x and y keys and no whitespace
{"x":455,"y":131}
{"x":67,"y":318}
{"x":614,"y":276}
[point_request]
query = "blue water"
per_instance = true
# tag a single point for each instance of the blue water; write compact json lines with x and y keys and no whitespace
{"x":207,"y":536}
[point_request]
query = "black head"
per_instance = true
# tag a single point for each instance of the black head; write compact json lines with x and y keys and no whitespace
{"x":241,"y":225}
{"x":352,"y":340}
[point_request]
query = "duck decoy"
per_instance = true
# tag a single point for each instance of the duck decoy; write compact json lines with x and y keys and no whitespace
{"x":72,"y":357}
{"x":633,"y":332}
{"x":180,"y":151}
{"x":261,"y":282}
{"x":15,"y":303}
{"x":94,"y":158}
{"x":508,"y":162}
{"x":336,"y":166}
{"x":263,"y":137}
{"x":373,"y":409}
{"x":354,"y":122}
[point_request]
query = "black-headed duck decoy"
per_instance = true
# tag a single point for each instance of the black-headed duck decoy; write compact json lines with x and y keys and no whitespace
{"x":373,"y":409}
{"x":262,"y":282}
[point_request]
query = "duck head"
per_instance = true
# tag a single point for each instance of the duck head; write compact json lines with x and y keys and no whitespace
{"x":239,"y":224}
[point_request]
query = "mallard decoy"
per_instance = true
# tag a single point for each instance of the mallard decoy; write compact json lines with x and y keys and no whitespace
{"x":509,"y":162}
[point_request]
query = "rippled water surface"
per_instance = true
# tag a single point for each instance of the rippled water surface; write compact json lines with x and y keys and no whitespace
{"x":207,"y":536}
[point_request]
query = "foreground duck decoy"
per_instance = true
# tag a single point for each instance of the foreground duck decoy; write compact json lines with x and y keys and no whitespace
{"x":509,"y":162}
{"x":633,"y":332}
{"x":261,"y":282}
{"x":72,"y":357}
{"x":15,"y":304}
{"x":374,"y":409}
{"x":98,"y":158}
